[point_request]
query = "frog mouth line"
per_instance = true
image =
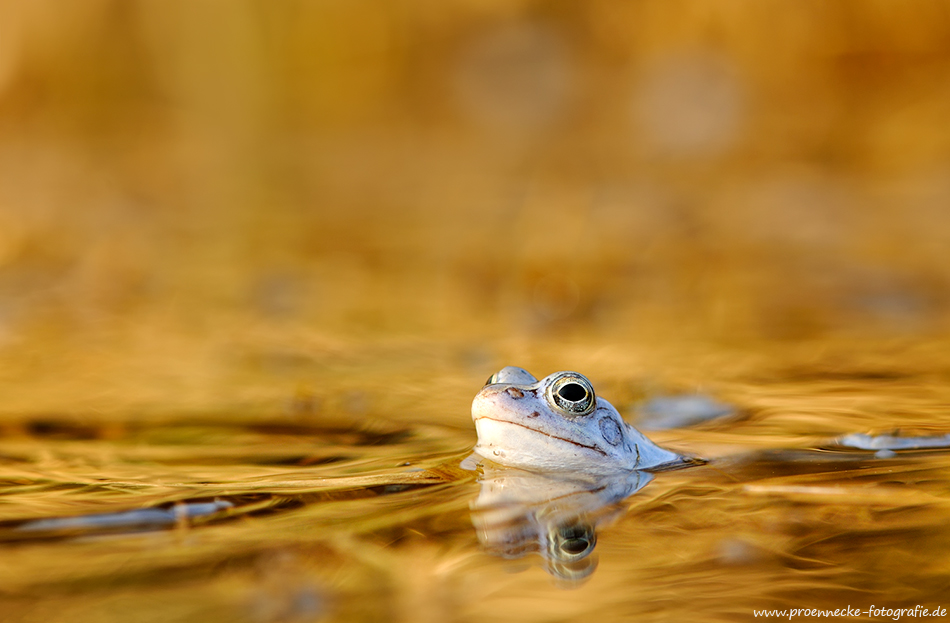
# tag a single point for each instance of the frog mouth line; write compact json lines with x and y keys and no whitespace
{"x":576,"y":443}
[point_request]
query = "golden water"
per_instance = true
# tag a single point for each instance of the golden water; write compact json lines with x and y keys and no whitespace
{"x":256,"y":258}
{"x":350,"y":505}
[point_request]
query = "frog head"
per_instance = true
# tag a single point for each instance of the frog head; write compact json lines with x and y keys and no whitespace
{"x":557,"y":424}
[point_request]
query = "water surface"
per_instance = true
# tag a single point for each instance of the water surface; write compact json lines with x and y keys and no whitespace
{"x":347,"y":506}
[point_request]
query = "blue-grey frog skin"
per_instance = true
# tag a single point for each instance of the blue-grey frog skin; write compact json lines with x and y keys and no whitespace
{"x":558,"y":424}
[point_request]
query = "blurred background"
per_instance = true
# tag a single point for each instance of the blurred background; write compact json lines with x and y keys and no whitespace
{"x":196,"y":194}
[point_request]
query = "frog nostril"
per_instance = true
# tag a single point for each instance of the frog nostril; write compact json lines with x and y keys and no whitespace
{"x":515,"y":393}
{"x":573,"y":392}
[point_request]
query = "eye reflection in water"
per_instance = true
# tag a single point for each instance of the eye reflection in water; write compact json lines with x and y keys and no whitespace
{"x":519,"y":512}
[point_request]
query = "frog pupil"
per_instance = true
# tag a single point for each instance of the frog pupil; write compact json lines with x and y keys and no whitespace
{"x":575,"y":546}
{"x":572,"y":392}
{"x":575,"y":541}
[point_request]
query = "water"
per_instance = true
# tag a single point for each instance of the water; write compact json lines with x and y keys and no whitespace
{"x":350,"y":504}
{"x":257,"y":258}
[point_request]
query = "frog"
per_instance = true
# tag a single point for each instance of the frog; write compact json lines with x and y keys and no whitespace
{"x":556,"y":463}
{"x":559,"y":425}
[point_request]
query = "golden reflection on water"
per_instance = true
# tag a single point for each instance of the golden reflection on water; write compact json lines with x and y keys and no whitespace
{"x":375,"y":520}
{"x":256,"y":259}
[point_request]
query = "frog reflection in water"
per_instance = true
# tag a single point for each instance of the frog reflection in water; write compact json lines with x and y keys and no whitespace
{"x":574,"y":458}
{"x":519,"y":512}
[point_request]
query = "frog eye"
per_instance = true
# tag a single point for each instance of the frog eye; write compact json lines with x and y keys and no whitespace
{"x":572,"y":393}
{"x":572,"y":542}
{"x":491,"y":379}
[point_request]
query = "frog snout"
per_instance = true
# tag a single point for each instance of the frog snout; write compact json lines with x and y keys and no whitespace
{"x":492,"y":401}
